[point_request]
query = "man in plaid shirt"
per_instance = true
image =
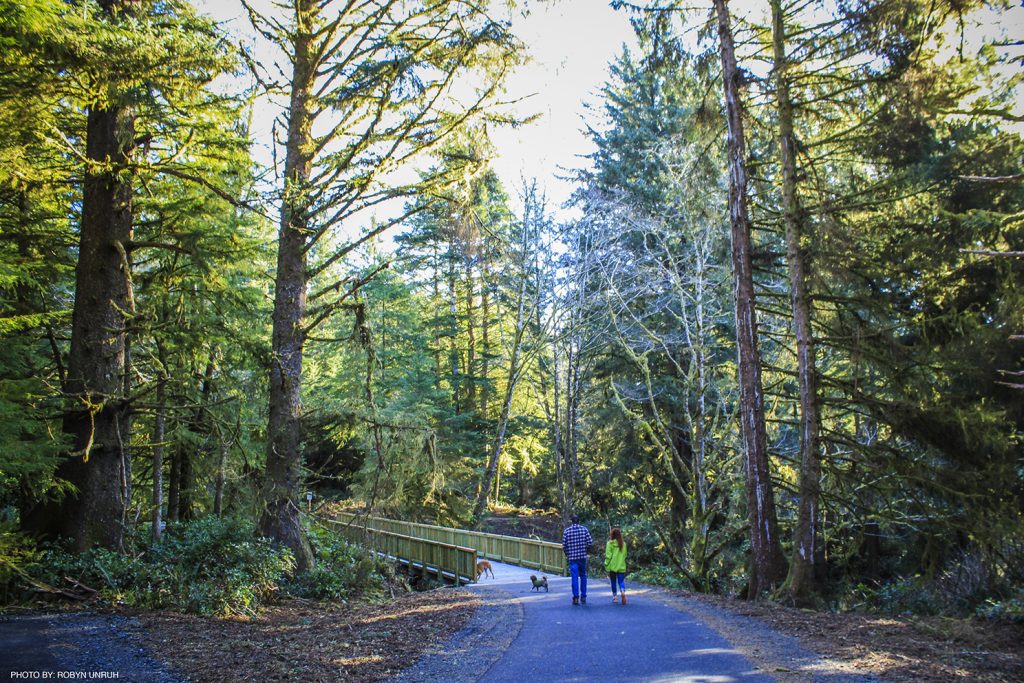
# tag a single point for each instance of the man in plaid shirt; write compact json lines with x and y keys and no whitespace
{"x":576,"y":541}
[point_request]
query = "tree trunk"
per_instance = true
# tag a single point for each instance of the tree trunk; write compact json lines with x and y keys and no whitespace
{"x":200,"y":425}
{"x":679,"y":500}
{"x":436,"y":281}
{"x":453,"y":328}
{"x":282,"y":479}
{"x":485,"y":350}
{"x":513,"y":376}
{"x":158,"y":444}
{"x":802,"y":583}
{"x":470,"y":342}
{"x":186,"y":485}
{"x":556,"y":427}
{"x":767,"y":565}
{"x":222,"y":461}
{"x":174,"y":485}
{"x":506,"y":409}
{"x":93,"y":515}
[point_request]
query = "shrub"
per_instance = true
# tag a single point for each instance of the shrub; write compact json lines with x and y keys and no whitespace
{"x":210,"y":566}
{"x":1011,"y":609}
{"x":342,"y":571}
{"x":17,"y":556}
{"x":215,"y":566}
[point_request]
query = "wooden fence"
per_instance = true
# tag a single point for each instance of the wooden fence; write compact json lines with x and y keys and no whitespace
{"x":451,"y":561}
{"x":524,"y":552}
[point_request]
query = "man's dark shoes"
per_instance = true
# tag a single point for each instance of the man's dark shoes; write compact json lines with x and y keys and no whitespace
{"x":575,"y":600}
{"x":583,"y":601}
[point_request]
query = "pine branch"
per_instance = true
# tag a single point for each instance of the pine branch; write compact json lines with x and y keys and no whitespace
{"x":993,"y":179}
{"x":987,"y":252}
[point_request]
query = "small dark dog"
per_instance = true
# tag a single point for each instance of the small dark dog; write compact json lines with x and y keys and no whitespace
{"x":542,"y":582}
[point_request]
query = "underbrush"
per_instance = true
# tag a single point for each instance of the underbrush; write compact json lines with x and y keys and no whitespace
{"x":344,"y":571}
{"x":966,"y":586}
{"x":211,"y":566}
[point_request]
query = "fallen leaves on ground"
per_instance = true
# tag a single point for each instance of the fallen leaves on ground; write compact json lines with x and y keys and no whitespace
{"x":896,"y":648}
{"x":303,"y":640}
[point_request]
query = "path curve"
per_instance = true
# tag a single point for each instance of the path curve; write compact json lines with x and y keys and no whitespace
{"x":522,"y":636}
{"x":646,"y":640}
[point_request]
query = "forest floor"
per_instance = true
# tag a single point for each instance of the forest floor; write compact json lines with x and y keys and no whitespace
{"x":305,"y":640}
{"x":894,"y":648}
{"x":537,"y":525}
{"x":296,"y":640}
{"x":308,"y":641}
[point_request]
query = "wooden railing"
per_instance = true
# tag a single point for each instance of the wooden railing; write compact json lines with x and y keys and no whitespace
{"x":524,"y":552}
{"x":451,"y":561}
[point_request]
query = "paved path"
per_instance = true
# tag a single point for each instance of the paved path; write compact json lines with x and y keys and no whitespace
{"x":645,"y":640}
{"x":75,"y":645}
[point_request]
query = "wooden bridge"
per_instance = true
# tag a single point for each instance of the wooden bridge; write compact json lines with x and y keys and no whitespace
{"x":446,"y":552}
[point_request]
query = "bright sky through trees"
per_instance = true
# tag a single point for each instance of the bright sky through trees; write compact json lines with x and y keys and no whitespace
{"x":570,"y":43}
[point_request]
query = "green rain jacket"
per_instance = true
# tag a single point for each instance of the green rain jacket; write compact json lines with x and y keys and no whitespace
{"x":615,"y":557}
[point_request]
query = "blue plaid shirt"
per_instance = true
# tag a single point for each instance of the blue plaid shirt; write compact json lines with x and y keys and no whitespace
{"x":575,"y":541}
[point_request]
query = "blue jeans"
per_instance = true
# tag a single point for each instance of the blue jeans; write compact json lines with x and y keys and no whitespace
{"x":617,"y":578}
{"x":578,"y":572}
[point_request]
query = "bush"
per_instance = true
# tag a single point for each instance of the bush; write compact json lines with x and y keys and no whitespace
{"x":342,"y":571}
{"x":211,"y":566}
{"x":17,"y":556}
{"x":661,"y":576}
{"x":1011,"y":609}
{"x":215,"y":566}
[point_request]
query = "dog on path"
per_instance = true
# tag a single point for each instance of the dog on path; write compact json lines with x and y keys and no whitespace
{"x":542,"y":582}
{"x":483,"y":566}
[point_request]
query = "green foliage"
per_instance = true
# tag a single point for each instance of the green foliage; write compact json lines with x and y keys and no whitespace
{"x":210,"y":566}
{"x":1011,"y":609}
{"x":343,"y":571}
{"x":905,"y":165}
{"x":661,"y":575}
{"x":18,"y":554}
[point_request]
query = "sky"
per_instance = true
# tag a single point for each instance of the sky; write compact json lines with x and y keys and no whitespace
{"x":571,"y":43}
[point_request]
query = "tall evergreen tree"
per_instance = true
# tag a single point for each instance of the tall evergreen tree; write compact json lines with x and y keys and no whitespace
{"x":384,"y":74}
{"x":112,"y":58}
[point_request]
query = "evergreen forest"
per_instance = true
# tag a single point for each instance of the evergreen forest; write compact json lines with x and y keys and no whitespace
{"x":776,"y":334}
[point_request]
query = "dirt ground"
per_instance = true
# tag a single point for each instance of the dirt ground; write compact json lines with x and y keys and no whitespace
{"x":541,"y":527}
{"x":903,"y":649}
{"x":308,"y":641}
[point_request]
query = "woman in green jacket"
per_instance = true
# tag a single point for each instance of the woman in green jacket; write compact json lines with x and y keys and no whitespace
{"x":615,"y":564}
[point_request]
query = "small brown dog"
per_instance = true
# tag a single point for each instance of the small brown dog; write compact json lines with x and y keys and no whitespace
{"x":483,"y":566}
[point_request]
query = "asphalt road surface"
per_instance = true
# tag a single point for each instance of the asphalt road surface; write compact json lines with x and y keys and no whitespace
{"x":643,"y":640}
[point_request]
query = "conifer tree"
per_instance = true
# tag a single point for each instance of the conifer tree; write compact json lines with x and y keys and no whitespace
{"x":110,"y":59}
{"x":382,"y":77}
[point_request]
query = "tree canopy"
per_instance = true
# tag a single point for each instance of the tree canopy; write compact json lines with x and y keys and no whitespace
{"x":775,"y":335}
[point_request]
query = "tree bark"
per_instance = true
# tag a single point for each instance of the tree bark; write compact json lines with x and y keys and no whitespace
{"x":454,"y":359}
{"x":767,"y":565}
{"x":186,"y":485}
{"x":159,"y":423}
{"x":470,"y":341}
{"x":224,"y":445}
{"x":485,"y":349}
{"x":282,"y":479}
{"x":801,"y":582}
{"x":94,"y":514}
{"x":174,"y":485}
{"x":513,"y":376}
